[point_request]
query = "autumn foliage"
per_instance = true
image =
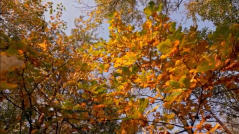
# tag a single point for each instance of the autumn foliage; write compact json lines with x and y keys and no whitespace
{"x":153,"y":77}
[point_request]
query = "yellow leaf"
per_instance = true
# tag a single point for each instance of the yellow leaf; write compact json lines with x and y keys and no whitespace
{"x":170,"y":116}
{"x":170,"y":127}
{"x":34,"y":131}
{"x":147,"y":24}
{"x":178,"y":63}
{"x":176,"y":43}
{"x":155,"y":108}
{"x":165,"y":46}
{"x":43,"y":45}
{"x":213,"y":129}
{"x":163,"y":56}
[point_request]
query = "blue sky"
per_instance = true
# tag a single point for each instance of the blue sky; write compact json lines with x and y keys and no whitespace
{"x":73,"y":12}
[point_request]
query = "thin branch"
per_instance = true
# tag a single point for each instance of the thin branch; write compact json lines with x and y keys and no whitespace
{"x":10,"y":100}
{"x":219,"y":121}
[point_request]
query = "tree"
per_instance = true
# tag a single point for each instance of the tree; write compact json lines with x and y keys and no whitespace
{"x":38,"y":77}
{"x":184,"y":74}
{"x":223,"y":12}
{"x":151,"y":77}
{"x":232,"y":123}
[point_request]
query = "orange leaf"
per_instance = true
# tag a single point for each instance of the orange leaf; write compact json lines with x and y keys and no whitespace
{"x":98,"y":106}
{"x":214,"y":129}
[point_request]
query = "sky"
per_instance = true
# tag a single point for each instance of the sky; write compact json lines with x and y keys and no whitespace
{"x":73,"y":12}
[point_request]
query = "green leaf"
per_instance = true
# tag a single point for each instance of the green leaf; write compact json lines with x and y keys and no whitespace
{"x":84,"y":67}
{"x":147,"y":11}
{"x":165,"y":46}
{"x":142,"y":32}
{"x":11,"y":51}
{"x":19,"y":45}
{"x":30,"y":80}
{"x":185,"y":81}
{"x":117,"y":74}
{"x":76,"y":107}
{"x":172,"y":96}
{"x":134,"y":69}
{"x":32,"y":52}
{"x":167,"y":90}
{"x":151,"y":5}
{"x":174,"y":84}
{"x":67,"y":105}
{"x":5,"y":85}
{"x":101,"y":90}
{"x":176,"y":93}
{"x":173,"y":27}
{"x":111,"y":15}
{"x":159,"y":9}
{"x":206,"y":64}
{"x":94,"y":82}
{"x":143,"y":103}
{"x":125,"y":70}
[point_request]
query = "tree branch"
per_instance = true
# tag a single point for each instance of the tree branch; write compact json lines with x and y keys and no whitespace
{"x":220,"y":122}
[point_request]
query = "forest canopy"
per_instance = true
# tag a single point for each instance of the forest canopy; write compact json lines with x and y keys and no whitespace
{"x":150,"y":76}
